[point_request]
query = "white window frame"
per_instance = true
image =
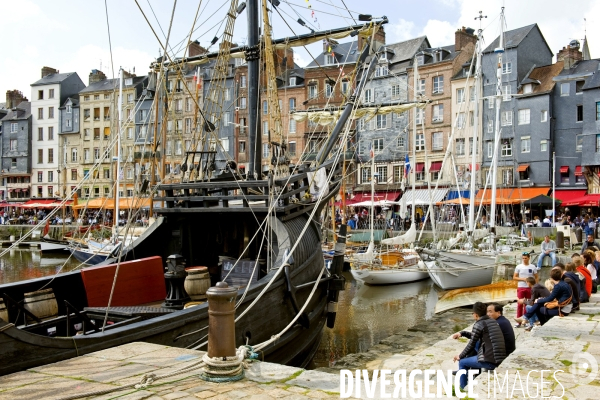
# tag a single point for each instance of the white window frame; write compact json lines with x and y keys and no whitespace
{"x":543,"y":145}
{"x":382,"y":173}
{"x":460,"y":95}
{"x":14,"y":127}
{"x":459,"y":146}
{"x":524,"y":116}
{"x":579,"y":143}
{"x":526,"y":144}
{"x":506,"y":93}
{"x":438,"y":113}
{"x":368,"y":95}
{"x":395,"y":91}
{"x":438,"y":84}
{"x":565,"y":88}
{"x":292,"y":125}
{"x":544,"y":116}
{"x":378,"y":146}
{"x":421,"y":86}
{"x":437,"y":140}
{"x":293,"y":81}
{"x":490,"y":149}
{"x":507,"y":117}
{"x":506,"y":149}
{"x":507,"y":67}
{"x":461,"y":120}
{"x":381,"y":121}
{"x":420,"y":142}
{"x":365,"y":174}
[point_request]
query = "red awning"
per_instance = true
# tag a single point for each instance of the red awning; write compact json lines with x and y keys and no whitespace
{"x":590,"y":200}
{"x":567,"y":196}
{"x":366,"y":196}
{"x":419,"y":167}
{"x":578,"y":171}
{"x":522,"y":167}
{"x":564,"y":169}
{"x":436,"y":166}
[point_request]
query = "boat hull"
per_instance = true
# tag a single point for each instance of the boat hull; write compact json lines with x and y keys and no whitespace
{"x":460,"y":271}
{"x":88,"y":256}
{"x":47,"y":247}
{"x":388,"y":277}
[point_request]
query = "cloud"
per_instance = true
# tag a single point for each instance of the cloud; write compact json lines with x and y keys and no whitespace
{"x":91,"y":56}
{"x":401,"y":31}
{"x":439,"y":33}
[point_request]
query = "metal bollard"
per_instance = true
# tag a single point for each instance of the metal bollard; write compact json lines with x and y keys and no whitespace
{"x":221,"y":320}
{"x":560,"y":240}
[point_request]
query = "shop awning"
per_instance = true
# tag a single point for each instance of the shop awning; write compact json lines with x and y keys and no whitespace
{"x":454,"y":194}
{"x":564,"y":169}
{"x":419,"y":167}
{"x":578,"y":170}
{"x":456,"y":201}
{"x":568,"y":195}
{"x":522,"y":167}
{"x":109,"y":204}
{"x":37,"y":203}
{"x":423,"y":197}
{"x":589,"y":200}
{"x":510,"y":195}
{"x":366,"y":196}
{"x":436,"y":166}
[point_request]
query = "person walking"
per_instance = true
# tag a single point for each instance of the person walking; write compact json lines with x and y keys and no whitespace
{"x":522,"y":272}
{"x":548,"y":250}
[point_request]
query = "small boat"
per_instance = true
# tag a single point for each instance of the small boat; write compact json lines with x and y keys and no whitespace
{"x":494,"y":292}
{"x":47,"y":244}
{"x":450,"y":270}
{"x":391,"y":268}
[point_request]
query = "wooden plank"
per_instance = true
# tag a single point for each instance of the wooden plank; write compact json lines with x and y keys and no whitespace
{"x":139,"y":281}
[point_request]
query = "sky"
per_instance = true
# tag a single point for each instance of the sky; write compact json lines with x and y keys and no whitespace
{"x":72,"y":35}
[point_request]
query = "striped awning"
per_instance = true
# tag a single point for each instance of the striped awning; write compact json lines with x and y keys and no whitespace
{"x":578,"y":170}
{"x":423,"y":197}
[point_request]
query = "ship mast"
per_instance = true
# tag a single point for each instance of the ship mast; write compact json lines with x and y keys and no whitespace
{"x":252,"y":58}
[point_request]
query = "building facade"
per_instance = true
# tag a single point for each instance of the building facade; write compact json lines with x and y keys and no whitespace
{"x":16,"y":153}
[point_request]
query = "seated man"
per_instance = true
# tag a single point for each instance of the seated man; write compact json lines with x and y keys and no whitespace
{"x":491,"y":350}
{"x":494,"y":311}
{"x":537,"y":291}
{"x":548,"y":250}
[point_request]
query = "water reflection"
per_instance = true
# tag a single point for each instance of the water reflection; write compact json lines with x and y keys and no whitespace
{"x":368,"y":314}
{"x":20,"y":264}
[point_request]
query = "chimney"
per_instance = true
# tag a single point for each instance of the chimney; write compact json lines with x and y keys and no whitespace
{"x":462,"y":37}
{"x":379,"y":39}
{"x":96,"y":76}
{"x":570,"y":54}
{"x":48,"y":71}
{"x":194,"y":49}
{"x":127,"y":74}
{"x":13,"y":98}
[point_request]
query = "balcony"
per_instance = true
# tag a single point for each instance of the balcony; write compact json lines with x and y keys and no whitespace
{"x":107,"y":117}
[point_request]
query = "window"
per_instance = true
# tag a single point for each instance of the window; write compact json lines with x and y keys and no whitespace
{"x":51,"y":93}
{"x":106,"y":173}
{"x":395,"y":91}
{"x":507,"y":176}
{"x":243,"y":81}
{"x":368,"y":95}
{"x":328,"y":90}
{"x":490,"y":147}
{"x":437,"y":141}
{"x":471,"y":147}
{"x":74,"y":157}
{"x":382,"y":174}
{"x":13,"y":144}
{"x":579,"y":143}
{"x":225,"y":144}
{"x":564,"y":89}
{"x":293,"y":81}
{"x":130,"y":133}
{"x":598,"y":111}
{"x":525,"y":144}
{"x":544,"y":116}
{"x":438,"y":84}
{"x":40,"y":176}
{"x":292,"y":148}
{"x":40,"y":113}
{"x":96,"y":153}
{"x":96,"y":97}
{"x":345,"y":87}
{"x":265,"y":130}
{"x":86,"y":98}
{"x":243,"y":103}
{"x":378,"y":146}
{"x":543,"y":145}
{"x":188,"y":104}
{"x":14,"y":127}
{"x":506,"y":118}
{"x":381,"y":70}
{"x":243,"y":125}
{"x":226,"y":121}
{"x":169,"y":149}
{"x":421,"y":86}
{"x":459,"y":147}
{"x":398,"y":173}
{"x":50,"y":112}
{"x":73,"y":174}
{"x":50,"y":133}
{"x":312,"y":91}
{"x":50,"y":176}
{"x":472,"y":94}
{"x":420,"y":172}
{"x":106,"y":96}
{"x":597,"y":143}
{"x":524,"y":116}
{"x":438,"y":113}
{"x":40,"y":156}
{"x":460,"y":121}
{"x":381,"y":121}
{"x":506,"y":93}
{"x":420,"y":115}
{"x":365,"y":174}
{"x":471,"y":118}
{"x":265,"y":107}
{"x":265,"y":150}
{"x":86,"y":154}
{"x":491,"y":101}
{"x":460,"y":95}
{"x":579,"y":87}
{"x":40,"y":95}
{"x":96,"y":133}
{"x":490,"y":126}
{"x":292,"y":125}
{"x":68,"y":123}
{"x":506,"y":67}
{"x":401,"y":142}
{"x":13,"y":163}
{"x":329,"y":59}
{"x":579,"y":177}
{"x":579,"y":117}
{"x":564,"y":176}
{"x":420,"y":145}
{"x":506,"y":150}
{"x":292,"y":104}
{"x":40,"y":134}
{"x":50,"y":191}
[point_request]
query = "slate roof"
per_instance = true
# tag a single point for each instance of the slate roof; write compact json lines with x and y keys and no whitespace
{"x":52,"y":79}
{"x":23,"y":106}
{"x":449,"y":54}
{"x":110,"y":85}
{"x":74,"y":101}
{"x":593,"y":81}
{"x":406,"y":50}
{"x":513,"y":38}
{"x":348,"y":53}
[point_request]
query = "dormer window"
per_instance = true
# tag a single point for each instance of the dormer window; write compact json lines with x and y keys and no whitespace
{"x":528,"y":88}
{"x":383,"y":55}
{"x":420,"y":59}
{"x":68,"y":109}
{"x":329,"y":59}
{"x":128,"y":81}
{"x":293,"y":81}
{"x":438,"y":56}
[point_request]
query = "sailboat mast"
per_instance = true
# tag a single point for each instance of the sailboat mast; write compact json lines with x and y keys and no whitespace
{"x":414,"y":140}
{"x":475,"y":133}
{"x":252,"y":58}
{"x":372,"y":211}
{"x":118,"y":178}
{"x":499,"y":51}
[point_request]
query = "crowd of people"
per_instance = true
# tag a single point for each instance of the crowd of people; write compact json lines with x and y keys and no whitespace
{"x":89,"y":217}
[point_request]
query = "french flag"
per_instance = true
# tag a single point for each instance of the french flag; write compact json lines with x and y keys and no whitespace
{"x":406,"y":166}
{"x":371,"y":152}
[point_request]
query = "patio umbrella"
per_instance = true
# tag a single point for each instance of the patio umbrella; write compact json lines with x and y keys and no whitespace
{"x":542,"y":200}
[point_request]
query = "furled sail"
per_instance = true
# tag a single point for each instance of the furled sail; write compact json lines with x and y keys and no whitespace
{"x":328,"y":117}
